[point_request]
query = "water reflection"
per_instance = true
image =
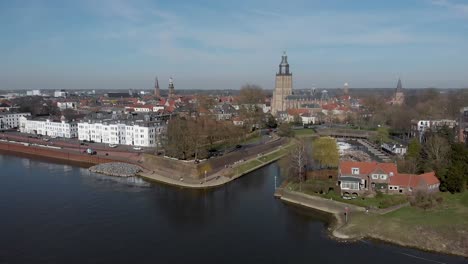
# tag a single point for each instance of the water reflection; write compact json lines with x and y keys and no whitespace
{"x":91,"y":218}
{"x":102,"y":180}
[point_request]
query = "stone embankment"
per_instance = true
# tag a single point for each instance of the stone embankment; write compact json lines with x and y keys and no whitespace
{"x":335,"y":208}
{"x":118,"y":169}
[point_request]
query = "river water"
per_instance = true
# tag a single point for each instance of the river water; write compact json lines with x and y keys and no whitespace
{"x":59,"y":213}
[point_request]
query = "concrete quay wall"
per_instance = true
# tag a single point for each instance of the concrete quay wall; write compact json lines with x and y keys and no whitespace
{"x":52,"y":153}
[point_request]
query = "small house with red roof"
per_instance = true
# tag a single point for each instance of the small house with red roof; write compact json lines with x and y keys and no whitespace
{"x":410,"y":183}
{"x":358,"y":178}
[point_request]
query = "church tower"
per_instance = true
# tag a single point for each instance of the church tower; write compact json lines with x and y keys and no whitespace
{"x":283,"y":86}
{"x":346,"y":88}
{"x":171,"y":88}
{"x":399,"y":95}
{"x":157,"y":91}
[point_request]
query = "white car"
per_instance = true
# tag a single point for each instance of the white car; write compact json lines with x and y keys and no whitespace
{"x":136,"y":148}
{"x":112,"y":145}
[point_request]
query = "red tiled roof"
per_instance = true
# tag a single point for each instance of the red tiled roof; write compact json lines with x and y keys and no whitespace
{"x":169,"y":108}
{"x":430,"y":178}
{"x":414,"y":180}
{"x":367,"y":167}
{"x":297,"y":111}
{"x":343,"y":108}
{"x":329,"y":106}
{"x":224,"y":99}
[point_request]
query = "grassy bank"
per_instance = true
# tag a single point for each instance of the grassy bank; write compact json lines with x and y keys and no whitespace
{"x":442,"y":229}
{"x":327,"y":189}
{"x":260,"y":161}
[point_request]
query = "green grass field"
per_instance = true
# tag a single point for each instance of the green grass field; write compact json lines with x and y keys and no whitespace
{"x":246,"y":166}
{"x":444,"y":227}
{"x":274,"y":155}
{"x":306,"y":132}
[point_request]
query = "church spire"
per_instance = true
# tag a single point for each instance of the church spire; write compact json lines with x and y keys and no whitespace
{"x":157,"y":91}
{"x":399,"y":86}
{"x":284,"y":65}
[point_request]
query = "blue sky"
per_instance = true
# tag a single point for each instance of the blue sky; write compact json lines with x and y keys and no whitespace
{"x":209,"y":44}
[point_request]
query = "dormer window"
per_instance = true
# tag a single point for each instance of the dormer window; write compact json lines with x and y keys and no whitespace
{"x":355,"y":171}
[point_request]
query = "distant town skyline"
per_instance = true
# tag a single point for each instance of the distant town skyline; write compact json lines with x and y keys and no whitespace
{"x":117,"y":44}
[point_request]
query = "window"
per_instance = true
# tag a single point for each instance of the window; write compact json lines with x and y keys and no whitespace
{"x":383,"y":176}
{"x":355,"y":171}
{"x":350,"y":185}
{"x":375,"y":176}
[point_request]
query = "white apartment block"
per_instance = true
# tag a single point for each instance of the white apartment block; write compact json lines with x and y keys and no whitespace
{"x":419,"y":127}
{"x":125,"y":132}
{"x":9,"y":120}
{"x":49,"y":127}
{"x":33,"y":92}
{"x":60,"y":93}
{"x":67,"y":105}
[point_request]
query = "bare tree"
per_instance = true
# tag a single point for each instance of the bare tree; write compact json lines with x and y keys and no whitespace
{"x":298,"y":162}
{"x":437,"y":149}
{"x":251,"y":94}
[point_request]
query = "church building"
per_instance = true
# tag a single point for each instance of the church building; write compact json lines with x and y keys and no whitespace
{"x":283,"y":86}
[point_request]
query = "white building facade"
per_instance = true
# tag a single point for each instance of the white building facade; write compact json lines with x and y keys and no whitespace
{"x":60,"y":93}
{"x":67,"y":105}
{"x":9,"y":120}
{"x":134,"y":133}
{"x":33,"y":93}
{"x":396,"y":149}
{"x":49,"y":127}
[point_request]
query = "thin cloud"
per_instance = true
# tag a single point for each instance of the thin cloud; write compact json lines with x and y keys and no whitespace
{"x":457,"y":7}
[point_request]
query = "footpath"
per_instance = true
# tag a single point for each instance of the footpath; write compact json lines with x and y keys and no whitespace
{"x":337,"y":209}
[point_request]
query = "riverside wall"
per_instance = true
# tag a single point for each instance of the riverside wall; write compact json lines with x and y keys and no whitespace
{"x":169,"y":167}
{"x":337,"y":209}
{"x":52,"y":153}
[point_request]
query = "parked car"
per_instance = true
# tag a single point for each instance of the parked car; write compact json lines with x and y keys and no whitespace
{"x":112,"y":145}
{"x":137,"y":148}
{"x":91,"y":152}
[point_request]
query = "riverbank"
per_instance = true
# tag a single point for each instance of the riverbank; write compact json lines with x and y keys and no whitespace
{"x":443,"y":229}
{"x":208,"y":174}
{"x":221,"y":177}
{"x":51,"y":152}
{"x":337,"y":209}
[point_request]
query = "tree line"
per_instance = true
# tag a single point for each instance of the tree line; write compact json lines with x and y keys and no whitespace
{"x":440,"y":153}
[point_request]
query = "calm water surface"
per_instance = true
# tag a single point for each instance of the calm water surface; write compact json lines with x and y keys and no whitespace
{"x":59,"y":213}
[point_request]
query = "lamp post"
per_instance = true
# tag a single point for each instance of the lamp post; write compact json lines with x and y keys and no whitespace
{"x":205,"y":176}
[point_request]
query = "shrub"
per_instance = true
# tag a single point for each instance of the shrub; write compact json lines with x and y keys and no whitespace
{"x":379,"y":194}
{"x":423,"y":200}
